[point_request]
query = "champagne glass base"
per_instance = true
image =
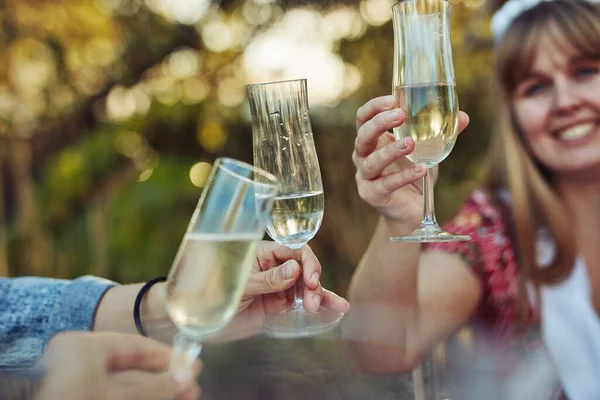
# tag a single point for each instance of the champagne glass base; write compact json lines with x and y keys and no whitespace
{"x":296,"y":322}
{"x":431,"y":234}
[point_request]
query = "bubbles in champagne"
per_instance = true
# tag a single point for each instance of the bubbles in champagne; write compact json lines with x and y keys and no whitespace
{"x":207,"y":280}
{"x":431,"y":120}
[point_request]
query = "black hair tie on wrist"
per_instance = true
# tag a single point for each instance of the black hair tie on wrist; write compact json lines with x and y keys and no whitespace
{"x":138,"y":302}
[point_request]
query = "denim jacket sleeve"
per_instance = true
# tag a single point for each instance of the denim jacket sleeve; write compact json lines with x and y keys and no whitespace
{"x":33,"y":309}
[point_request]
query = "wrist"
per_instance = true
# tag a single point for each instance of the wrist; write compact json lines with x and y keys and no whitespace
{"x":397,"y":227}
{"x":114,"y":313}
{"x":141,"y":296}
{"x":154,"y":316}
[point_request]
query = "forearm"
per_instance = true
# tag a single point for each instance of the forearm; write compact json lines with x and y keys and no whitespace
{"x":115,"y":312}
{"x":383,"y":294}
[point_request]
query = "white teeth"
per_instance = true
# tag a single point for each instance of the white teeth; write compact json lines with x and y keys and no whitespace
{"x":577,"y":131}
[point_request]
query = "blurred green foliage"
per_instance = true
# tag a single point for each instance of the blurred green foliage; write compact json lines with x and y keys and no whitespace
{"x":105,"y":105}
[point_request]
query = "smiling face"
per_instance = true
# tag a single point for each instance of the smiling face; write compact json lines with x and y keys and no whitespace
{"x":557,"y":106}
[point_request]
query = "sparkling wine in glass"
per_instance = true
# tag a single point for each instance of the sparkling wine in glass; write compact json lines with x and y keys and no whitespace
{"x":296,"y":218}
{"x":283,"y":144}
{"x":213,"y":263}
{"x":425,"y":88}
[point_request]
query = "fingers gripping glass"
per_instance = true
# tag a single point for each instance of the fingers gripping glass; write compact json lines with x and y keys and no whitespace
{"x":424,"y":87}
{"x":283,"y":145}
{"x":214,"y":261}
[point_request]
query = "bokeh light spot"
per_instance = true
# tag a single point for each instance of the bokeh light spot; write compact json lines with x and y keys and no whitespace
{"x":199,"y":173}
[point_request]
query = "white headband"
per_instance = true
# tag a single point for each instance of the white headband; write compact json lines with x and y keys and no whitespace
{"x":510,"y":11}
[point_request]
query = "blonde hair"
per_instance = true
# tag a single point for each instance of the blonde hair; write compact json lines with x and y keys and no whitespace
{"x":534,"y":201}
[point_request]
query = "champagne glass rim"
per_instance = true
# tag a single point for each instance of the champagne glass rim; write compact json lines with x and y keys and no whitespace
{"x":252,"y":85}
{"x":448,"y":6}
{"x":222,"y":162}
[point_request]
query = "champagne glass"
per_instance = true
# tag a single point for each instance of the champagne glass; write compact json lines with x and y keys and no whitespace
{"x":283,"y":145}
{"x":214,"y":261}
{"x":425,"y":88}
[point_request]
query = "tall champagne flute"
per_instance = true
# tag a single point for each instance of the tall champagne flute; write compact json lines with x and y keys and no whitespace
{"x":283,"y":145}
{"x":213,"y":263}
{"x":425,"y":88}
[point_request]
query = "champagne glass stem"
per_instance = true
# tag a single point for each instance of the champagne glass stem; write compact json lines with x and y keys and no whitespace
{"x":186,"y":350}
{"x":299,"y":292}
{"x":428,"y":199}
{"x":299,"y":285}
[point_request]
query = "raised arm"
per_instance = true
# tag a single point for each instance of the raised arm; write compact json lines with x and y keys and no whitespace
{"x":403,"y":301}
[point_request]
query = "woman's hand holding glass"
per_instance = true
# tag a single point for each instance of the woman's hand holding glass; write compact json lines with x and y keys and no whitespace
{"x":386,"y":179}
{"x":270,"y":288}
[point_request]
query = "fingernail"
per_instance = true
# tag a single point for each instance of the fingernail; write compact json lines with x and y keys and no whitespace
{"x":407,"y":141}
{"x":401,"y":144}
{"x":288,"y":270}
{"x":395,"y":115}
{"x":314,"y":278}
{"x":389,"y":101}
{"x":317,"y":300}
{"x":418,"y":169}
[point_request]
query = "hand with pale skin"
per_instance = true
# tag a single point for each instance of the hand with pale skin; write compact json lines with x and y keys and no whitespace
{"x":124,"y":366}
{"x":270,"y":287}
{"x":111,"y":366}
{"x":386,"y":179}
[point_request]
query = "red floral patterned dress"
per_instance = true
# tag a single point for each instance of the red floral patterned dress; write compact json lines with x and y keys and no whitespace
{"x":491,"y":256}
{"x":498,"y":342}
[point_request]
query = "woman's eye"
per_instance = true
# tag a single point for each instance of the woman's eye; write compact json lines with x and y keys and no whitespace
{"x":584,"y":72}
{"x":534,"y":89}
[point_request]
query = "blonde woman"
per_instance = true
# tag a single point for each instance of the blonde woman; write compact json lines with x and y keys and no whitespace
{"x":534,"y":261}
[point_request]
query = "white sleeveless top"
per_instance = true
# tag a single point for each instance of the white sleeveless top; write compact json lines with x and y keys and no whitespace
{"x":571,"y":334}
{"x":571,"y":327}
